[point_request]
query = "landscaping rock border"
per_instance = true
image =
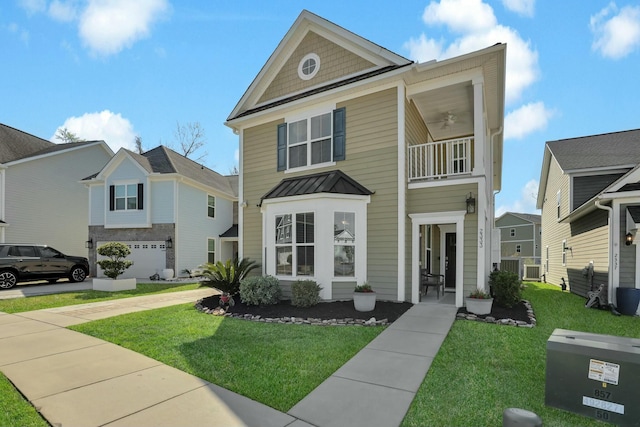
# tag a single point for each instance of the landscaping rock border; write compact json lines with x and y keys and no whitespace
{"x":509,"y":322}
{"x":219,"y":311}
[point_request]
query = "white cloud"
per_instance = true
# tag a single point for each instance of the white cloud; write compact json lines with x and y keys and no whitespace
{"x":108,"y":26}
{"x":63,"y":11}
{"x":526,"y":203}
{"x":619,"y":35}
{"x":526,"y":119}
{"x":522,"y":60}
{"x":33,"y":6}
{"x":112,"y":128}
{"x":521,"y":7}
{"x":461,"y":16}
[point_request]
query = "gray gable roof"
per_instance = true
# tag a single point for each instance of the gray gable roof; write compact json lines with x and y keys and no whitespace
{"x":534,"y":218}
{"x":324,"y":182}
{"x":163,"y":160}
{"x":597,"y":151}
{"x":17,"y":145}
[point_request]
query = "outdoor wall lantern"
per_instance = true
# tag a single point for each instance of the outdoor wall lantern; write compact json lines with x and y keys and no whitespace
{"x":169,"y":243}
{"x":628,"y":239}
{"x":89,"y":243}
{"x":471,"y":204}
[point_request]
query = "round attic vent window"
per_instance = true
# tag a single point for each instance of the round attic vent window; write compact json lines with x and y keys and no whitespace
{"x":309,"y":66}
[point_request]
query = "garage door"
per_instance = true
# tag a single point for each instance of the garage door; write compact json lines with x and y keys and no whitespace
{"x":148,"y":259}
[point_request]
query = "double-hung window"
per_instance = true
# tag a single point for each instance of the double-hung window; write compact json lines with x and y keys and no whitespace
{"x":312,"y":140}
{"x":295,"y":244}
{"x":125,"y":197}
{"x":211,"y":206}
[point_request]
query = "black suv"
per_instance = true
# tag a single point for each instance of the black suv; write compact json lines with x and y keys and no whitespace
{"x":25,"y":263}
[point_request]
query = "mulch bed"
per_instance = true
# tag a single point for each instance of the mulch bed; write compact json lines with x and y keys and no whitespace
{"x":520,"y":314}
{"x":341,"y":312}
{"x":324,"y":310}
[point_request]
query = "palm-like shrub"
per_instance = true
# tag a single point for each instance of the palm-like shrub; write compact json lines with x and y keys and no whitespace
{"x":116,"y":263}
{"x":227,"y":276}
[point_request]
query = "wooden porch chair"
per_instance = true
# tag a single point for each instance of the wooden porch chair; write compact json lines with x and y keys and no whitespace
{"x":431,"y":280}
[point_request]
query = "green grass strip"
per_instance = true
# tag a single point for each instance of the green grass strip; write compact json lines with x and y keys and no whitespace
{"x":15,"y":410}
{"x":19,"y":305}
{"x":483,"y":369}
{"x":276,"y":364}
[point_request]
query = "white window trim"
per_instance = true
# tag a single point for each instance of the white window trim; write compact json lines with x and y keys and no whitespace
{"x":311,"y":75}
{"x":215,"y":248}
{"x":307,"y":115}
{"x":126,"y":183}
{"x":214,"y":206}
{"x":325,"y":205}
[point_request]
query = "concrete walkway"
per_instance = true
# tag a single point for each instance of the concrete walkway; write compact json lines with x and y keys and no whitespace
{"x":77,"y":380}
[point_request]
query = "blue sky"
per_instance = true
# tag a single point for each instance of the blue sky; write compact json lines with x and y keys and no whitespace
{"x":114,"y":69}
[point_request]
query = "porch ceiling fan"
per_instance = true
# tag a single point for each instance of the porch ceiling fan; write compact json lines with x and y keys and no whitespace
{"x":448,"y":119}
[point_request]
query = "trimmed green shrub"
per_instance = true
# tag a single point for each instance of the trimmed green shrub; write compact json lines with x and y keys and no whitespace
{"x":305,"y":293}
{"x":259,"y":290}
{"x":506,"y":288}
{"x":227,"y":276}
{"x":116,"y":263}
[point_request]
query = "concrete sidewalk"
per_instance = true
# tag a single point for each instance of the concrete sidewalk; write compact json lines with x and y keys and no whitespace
{"x":74,"y":379}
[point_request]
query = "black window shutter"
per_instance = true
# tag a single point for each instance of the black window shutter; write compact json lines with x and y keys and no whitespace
{"x":112,"y":197}
{"x":339,"y":133}
{"x":282,"y":146}
{"x":140,"y":197}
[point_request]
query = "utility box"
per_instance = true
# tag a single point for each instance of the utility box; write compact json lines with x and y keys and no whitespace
{"x":594,"y":375}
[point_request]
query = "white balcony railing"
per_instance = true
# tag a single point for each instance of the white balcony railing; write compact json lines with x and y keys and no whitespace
{"x":440,"y":159}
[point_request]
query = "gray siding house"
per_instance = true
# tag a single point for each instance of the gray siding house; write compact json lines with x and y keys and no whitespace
{"x":590,"y":200}
{"x":519,"y":235}
{"x":42,"y":199}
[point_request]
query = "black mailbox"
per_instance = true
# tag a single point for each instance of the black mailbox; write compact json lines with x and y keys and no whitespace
{"x":594,"y":375}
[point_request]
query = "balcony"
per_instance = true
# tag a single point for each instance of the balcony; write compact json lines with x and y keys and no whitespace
{"x":442,"y":159}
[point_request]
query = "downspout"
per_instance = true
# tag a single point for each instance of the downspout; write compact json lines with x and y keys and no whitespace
{"x":493,"y":204}
{"x":610,"y":273}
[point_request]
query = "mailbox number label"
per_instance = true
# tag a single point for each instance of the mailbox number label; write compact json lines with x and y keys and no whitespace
{"x":602,"y":394}
{"x":602,"y":405}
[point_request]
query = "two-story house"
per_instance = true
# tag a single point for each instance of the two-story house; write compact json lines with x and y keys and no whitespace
{"x":41,"y":197}
{"x":520,"y":235}
{"x":171,"y":211}
{"x":590,"y":200}
{"x":359,"y":165}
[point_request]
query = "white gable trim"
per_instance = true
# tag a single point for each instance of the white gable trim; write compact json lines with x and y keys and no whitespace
{"x":64,"y":151}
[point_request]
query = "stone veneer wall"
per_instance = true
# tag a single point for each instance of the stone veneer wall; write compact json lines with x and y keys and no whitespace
{"x":155,"y":233}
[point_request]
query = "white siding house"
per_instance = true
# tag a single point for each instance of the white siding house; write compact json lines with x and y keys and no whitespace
{"x":42,"y":199}
{"x":170,"y":210}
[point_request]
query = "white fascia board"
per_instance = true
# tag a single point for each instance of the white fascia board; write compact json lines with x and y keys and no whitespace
{"x":115,"y":161}
{"x":336,"y":95}
{"x":58,"y":152}
{"x":315,"y":196}
{"x":472,"y":75}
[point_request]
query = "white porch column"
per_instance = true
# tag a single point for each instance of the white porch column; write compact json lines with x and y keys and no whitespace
{"x":479,"y":134}
{"x":402,"y":192}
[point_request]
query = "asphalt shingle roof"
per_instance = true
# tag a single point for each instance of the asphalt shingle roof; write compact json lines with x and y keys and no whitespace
{"x":165,"y":161}
{"x":597,"y":151}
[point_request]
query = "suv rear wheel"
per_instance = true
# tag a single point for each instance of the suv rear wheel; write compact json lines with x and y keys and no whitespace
{"x":77,"y":274}
{"x":8,"y":279}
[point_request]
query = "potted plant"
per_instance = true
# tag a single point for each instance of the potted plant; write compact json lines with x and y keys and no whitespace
{"x":364,"y":297}
{"x":479,"y":302}
{"x":114,"y":265}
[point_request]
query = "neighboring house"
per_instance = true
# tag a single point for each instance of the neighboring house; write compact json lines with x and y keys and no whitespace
{"x":358,"y":165}
{"x":520,"y":236}
{"x":172,"y":212}
{"x":590,"y":200}
{"x":41,"y":197}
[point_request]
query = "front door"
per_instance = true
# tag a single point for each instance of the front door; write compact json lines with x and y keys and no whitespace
{"x":450,"y":261}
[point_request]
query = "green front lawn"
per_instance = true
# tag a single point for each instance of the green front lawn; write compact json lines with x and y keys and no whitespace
{"x":19,"y":305}
{"x":15,"y":410}
{"x":482,"y":369}
{"x":276,"y":364}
